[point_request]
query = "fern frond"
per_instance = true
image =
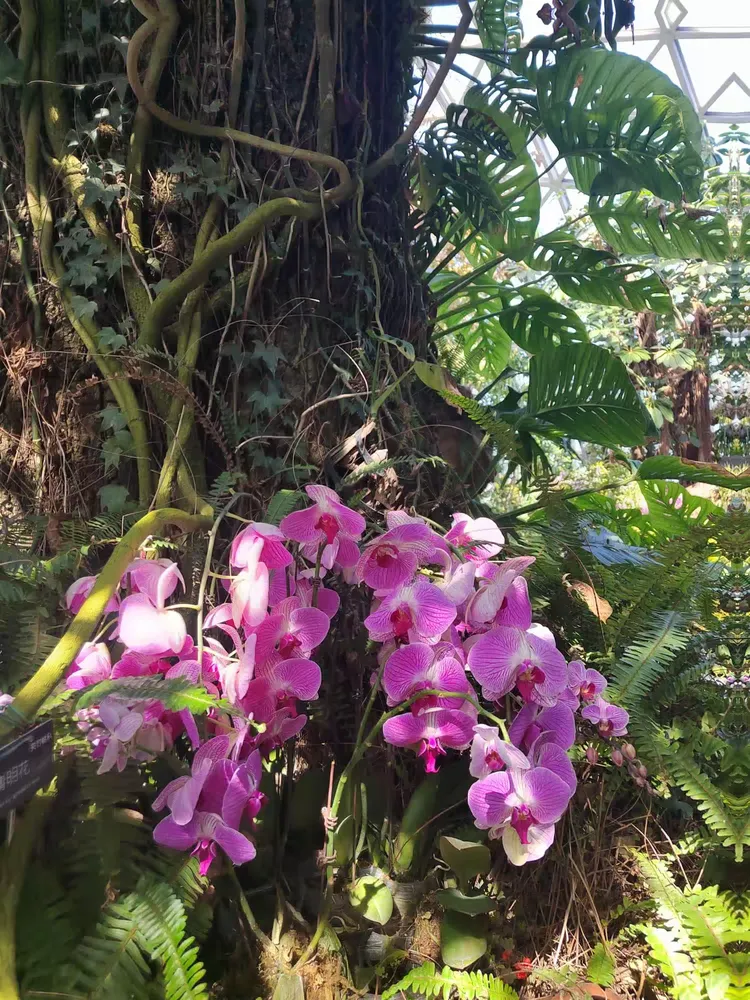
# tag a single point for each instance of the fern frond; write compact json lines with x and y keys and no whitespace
{"x":502,"y":434}
{"x":726,"y":815}
{"x":427,"y":981}
{"x":161,"y":919}
{"x":110,"y":963}
{"x":645,"y":660}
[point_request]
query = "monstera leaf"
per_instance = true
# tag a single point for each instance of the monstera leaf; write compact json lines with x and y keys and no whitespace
{"x":585,"y":392}
{"x":486,"y":315}
{"x":594,"y":276}
{"x":621,"y":124}
{"x":634,"y":230}
{"x":515,"y":184}
{"x":499,"y":24}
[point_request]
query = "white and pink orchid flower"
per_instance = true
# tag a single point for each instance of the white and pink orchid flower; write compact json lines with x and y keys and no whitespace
{"x":146,"y":626}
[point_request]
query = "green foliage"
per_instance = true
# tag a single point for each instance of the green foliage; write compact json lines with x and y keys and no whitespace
{"x":427,"y":981}
{"x":175,"y":693}
{"x":499,"y":23}
{"x":698,"y":947}
{"x":636,"y":230}
{"x":645,"y":659}
{"x":585,"y":393}
{"x":621,"y":124}
{"x":601,"y":966}
{"x":591,"y":275}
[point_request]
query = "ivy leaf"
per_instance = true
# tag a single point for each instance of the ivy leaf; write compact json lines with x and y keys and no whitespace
{"x":267,"y":353}
{"x":83,"y":271}
{"x":266,"y":402}
{"x":95,"y":190}
{"x":110,"y":339}
{"x":83,"y":308}
{"x":112,"y":417}
{"x":113,"y":498}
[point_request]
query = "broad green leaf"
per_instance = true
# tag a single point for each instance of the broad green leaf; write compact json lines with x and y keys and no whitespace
{"x":593,"y":276}
{"x":465,"y":857}
{"x":601,"y":967}
{"x":514,"y":184}
{"x":621,"y":124}
{"x":585,"y":392}
{"x":634,"y":230}
{"x":454,"y":899}
{"x":463,"y":939}
{"x":486,"y":315}
{"x":499,"y":24}
{"x":671,"y":508}
{"x":372,"y":899}
{"x":672,"y":467}
{"x":434,"y":376}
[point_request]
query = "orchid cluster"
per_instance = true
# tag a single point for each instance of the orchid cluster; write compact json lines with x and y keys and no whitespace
{"x":454,"y":624}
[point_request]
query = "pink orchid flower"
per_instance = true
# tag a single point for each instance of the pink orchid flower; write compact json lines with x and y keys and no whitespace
{"x":610,"y":720}
{"x":520,"y":806}
{"x":181,"y":795}
{"x":148,"y":627}
{"x":235,"y":675}
{"x":458,"y":577}
{"x":80,"y":589}
{"x":515,"y":609}
{"x":416,"y":611}
{"x":280,"y":684}
{"x":133,"y":664}
{"x":557,"y":722}
{"x":210,"y":807}
{"x":327,"y":522}
{"x":248,"y":590}
{"x":480,"y":537}
{"x":273,"y":549}
{"x":5,"y":700}
{"x":488,"y":600}
{"x":490,"y":753}
{"x":146,"y":574}
{"x":392,"y":559}
{"x":507,"y":657}
{"x":585,"y":682}
{"x":91,"y":665}
{"x":127,"y":733}
{"x":419,"y":667}
{"x":430,"y":733}
{"x":292,"y":630}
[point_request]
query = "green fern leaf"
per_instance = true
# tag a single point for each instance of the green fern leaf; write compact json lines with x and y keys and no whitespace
{"x":645,"y":660}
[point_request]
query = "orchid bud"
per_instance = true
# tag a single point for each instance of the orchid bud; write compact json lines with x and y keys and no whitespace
{"x":642,"y":771}
{"x":641,"y":782}
{"x":617,"y":758}
{"x":592,"y":755}
{"x":629,"y":751}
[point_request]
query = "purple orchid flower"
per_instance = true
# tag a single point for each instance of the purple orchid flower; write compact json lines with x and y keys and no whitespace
{"x":327,"y":522}
{"x":392,"y":559}
{"x":490,"y":753}
{"x":208,"y":806}
{"x":585,"y":682}
{"x":531,"y":721}
{"x":280,"y":684}
{"x":515,"y":609}
{"x":458,"y":577}
{"x":273,"y":550}
{"x":133,"y":664}
{"x":148,"y":627}
{"x":5,"y":700}
{"x":479,"y":537}
{"x":488,"y":600}
{"x":127,"y":731}
{"x":80,"y":589}
{"x":507,"y":657}
{"x":520,"y":806}
{"x":419,"y":667}
{"x":292,"y":630}
{"x":609,"y":719}
{"x":431,"y":732}
{"x":416,"y":611}
{"x":91,"y":665}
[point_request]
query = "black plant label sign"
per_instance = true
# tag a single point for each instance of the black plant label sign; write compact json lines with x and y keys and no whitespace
{"x":26,"y":765}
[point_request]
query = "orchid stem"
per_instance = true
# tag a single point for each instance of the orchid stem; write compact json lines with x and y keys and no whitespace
{"x":263,"y":939}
